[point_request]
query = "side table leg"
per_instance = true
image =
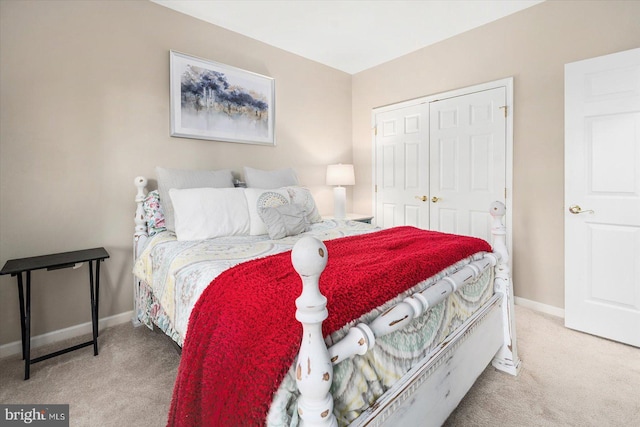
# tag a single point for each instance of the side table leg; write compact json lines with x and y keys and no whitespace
{"x":94,"y":310}
{"x":27,"y":327}
{"x":22,"y":316}
{"x":97,"y":295}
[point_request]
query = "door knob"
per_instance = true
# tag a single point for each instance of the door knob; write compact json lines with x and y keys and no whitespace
{"x":575,"y":209}
{"x":435,"y":199}
{"x":423,"y":198}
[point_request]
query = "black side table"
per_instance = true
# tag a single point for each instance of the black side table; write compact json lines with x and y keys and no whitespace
{"x":16,"y":267}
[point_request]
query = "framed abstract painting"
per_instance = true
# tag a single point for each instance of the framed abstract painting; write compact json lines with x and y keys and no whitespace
{"x":215,"y":101}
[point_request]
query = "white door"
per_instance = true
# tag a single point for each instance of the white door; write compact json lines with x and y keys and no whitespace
{"x":602,"y":196}
{"x":468,"y":161}
{"x":402,"y":158}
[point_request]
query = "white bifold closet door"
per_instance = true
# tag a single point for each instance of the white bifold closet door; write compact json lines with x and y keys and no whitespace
{"x":439,"y":164}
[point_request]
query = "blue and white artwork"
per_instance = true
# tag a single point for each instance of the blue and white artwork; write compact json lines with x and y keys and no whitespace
{"x":219,"y":102}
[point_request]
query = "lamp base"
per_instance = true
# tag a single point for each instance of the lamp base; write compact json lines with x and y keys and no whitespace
{"x":339,"y":202}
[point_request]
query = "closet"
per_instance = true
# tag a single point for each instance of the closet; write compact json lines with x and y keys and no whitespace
{"x":439,"y":161}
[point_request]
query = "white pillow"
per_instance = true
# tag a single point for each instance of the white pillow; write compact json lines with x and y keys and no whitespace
{"x":184,"y":178}
{"x":258,"y":199}
{"x":303,"y":197}
{"x":205,"y":213}
{"x":256,"y":178}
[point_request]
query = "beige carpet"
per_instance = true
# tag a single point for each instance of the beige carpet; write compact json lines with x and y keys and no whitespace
{"x":128,"y":384}
{"x":568,"y":379}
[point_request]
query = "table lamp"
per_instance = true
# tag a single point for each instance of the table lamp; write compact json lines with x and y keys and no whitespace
{"x":340,"y":175}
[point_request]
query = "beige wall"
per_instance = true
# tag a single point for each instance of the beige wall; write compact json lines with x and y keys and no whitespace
{"x":85,"y":108}
{"x":532,"y":46}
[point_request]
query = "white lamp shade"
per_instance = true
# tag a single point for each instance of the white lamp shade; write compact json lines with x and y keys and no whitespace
{"x":340,"y":175}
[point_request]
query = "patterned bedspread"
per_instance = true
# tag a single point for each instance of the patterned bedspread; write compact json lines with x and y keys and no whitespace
{"x":178,"y":272}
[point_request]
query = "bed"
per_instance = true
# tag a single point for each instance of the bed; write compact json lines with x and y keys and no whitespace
{"x":383,"y":350}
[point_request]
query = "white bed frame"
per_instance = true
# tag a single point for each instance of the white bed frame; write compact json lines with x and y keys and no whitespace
{"x":140,"y":236}
{"x":433,"y":388}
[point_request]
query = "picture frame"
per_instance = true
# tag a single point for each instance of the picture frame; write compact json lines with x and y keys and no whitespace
{"x":214,"y":101}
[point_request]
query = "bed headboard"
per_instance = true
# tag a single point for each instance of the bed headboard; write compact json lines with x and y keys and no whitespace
{"x":141,"y":234}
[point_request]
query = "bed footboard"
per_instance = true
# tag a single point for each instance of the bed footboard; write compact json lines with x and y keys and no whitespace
{"x":506,"y":359}
{"x":440,"y":381}
{"x":314,"y":370}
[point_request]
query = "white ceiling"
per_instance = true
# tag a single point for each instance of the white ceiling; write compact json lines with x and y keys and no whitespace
{"x":349,"y":35}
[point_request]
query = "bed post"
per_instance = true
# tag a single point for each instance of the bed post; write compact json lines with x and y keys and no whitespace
{"x":139,"y":237}
{"x":507,"y":357}
{"x":314,"y":371}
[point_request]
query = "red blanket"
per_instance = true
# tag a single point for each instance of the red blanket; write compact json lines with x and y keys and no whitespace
{"x":243,"y":335}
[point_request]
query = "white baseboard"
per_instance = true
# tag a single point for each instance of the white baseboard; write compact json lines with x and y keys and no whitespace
{"x":85,"y":328}
{"x":63,"y":334}
{"x":538,"y":306}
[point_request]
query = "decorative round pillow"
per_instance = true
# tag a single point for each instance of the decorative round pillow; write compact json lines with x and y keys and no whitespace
{"x":271,"y":199}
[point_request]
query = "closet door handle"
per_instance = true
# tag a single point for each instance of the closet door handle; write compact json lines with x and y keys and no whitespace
{"x":423,"y":198}
{"x":435,"y":199}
